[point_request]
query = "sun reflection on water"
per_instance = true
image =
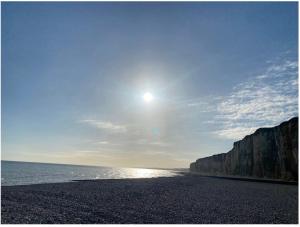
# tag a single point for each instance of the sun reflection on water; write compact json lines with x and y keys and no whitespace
{"x":32,"y":173}
{"x":146,"y":173}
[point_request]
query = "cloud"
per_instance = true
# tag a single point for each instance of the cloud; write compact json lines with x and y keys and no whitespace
{"x":106,"y":125}
{"x":264,"y":100}
{"x":102,"y":142}
{"x":95,"y":153}
{"x":152,"y":143}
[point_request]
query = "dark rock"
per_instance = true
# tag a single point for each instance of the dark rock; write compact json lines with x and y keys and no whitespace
{"x":267,"y":153}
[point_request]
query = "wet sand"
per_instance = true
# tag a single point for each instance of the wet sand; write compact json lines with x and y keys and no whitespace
{"x":183,"y":199}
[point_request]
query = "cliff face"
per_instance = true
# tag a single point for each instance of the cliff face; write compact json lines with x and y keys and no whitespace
{"x":267,"y":153}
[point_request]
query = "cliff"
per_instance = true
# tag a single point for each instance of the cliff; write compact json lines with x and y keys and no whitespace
{"x":268,"y":153}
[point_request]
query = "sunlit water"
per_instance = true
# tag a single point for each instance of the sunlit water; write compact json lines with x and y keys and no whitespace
{"x":22,"y":173}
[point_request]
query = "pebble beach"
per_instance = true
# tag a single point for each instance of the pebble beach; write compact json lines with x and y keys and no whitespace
{"x":187,"y":199}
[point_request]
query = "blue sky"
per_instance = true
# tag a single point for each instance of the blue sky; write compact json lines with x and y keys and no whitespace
{"x":74,"y":75}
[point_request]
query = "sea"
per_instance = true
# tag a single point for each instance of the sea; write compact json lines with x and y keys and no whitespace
{"x":24,"y":173}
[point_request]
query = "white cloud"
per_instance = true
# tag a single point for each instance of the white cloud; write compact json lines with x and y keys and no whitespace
{"x":235,"y":132}
{"x":102,"y":142}
{"x":106,"y":125}
{"x":262,"y":101}
{"x":153,"y":143}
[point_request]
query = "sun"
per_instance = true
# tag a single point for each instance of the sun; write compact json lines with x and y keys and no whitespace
{"x":148,"y":97}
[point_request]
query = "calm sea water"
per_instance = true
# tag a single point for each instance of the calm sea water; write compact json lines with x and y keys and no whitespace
{"x":21,"y":173}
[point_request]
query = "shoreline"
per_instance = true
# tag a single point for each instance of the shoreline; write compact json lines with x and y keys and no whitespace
{"x":243,"y":178}
{"x":186,"y":199}
{"x":178,"y":174}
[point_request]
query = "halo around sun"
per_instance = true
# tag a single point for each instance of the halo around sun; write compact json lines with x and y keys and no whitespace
{"x":148,"y":97}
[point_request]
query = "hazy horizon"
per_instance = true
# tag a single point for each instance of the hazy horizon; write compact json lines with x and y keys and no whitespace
{"x":52,"y":163}
{"x":153,"y":85}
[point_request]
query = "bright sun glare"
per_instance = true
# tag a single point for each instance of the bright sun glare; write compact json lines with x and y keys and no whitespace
{"x":148,"y":97}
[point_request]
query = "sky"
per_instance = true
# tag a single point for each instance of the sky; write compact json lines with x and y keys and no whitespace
{"x":74,"y":76}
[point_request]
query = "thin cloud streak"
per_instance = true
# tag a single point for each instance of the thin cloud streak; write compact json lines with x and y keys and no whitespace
{"x":106,"y":125}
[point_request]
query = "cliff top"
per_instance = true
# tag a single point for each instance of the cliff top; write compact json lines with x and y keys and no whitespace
{"x":259,"y":130}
